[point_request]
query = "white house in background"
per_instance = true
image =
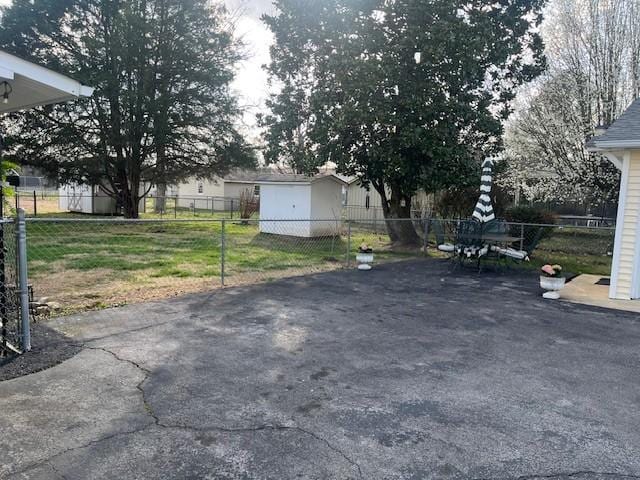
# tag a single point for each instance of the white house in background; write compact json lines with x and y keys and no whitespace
{"x":314,"y":202}
{"x":620,"y":143}
{"x":363,"y":204}
{"x":218,"y":193}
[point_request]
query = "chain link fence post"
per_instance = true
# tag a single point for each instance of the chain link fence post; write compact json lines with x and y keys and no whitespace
{"x":3,"y":285}
{"x":348,"y":259}
{"x":222,"y":250}
{"x":425,"y":242}
{"x":23,"y":281}
{"x":522,"y":236}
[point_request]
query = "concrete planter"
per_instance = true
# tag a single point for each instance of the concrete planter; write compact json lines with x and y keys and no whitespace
{"x":364,"y":259}
{"x":553,"y":285}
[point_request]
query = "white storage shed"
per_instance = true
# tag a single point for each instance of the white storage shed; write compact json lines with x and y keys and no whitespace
{"x":92,"y":199}
{"x":315,"y":203}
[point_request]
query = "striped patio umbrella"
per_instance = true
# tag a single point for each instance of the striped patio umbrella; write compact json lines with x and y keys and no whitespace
{"x":483,"y":212}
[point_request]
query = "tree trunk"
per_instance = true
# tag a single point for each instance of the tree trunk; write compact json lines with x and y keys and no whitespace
{"x":397,"y":215}
{"x":130,"y":204}
{"x":130,"y":197}
{"x":161,"y":193}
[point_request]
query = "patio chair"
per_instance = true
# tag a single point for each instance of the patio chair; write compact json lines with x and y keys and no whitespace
{"x":496,"y":227}
{"x":469,"y":238}
{"x":441,"y":243}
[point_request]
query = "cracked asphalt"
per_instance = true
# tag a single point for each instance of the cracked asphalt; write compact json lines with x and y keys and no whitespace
{"x":409,"y":371}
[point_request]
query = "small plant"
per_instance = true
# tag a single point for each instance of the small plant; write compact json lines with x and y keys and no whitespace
{"x":249,"y":204}
{"x":552,"y":271}
{"x":364,"y":248}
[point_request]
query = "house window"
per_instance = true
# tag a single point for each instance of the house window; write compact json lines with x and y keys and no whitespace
{"x":200,"y":187}
{"x":367,"y":201}
{"x":256,"y":190}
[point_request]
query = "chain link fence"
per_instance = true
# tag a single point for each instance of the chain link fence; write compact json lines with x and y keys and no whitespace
{"x":580,"y":249}
{"x":49,"y":204}
{"x":90,"y":263}
{"x":14,"y":288}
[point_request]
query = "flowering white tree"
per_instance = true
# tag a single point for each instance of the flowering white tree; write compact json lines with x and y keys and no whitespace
{"x":593,"y":53}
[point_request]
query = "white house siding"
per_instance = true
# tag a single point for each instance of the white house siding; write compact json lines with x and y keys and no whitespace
{"x":235,"y":189}
{"x":326,"y":204}
{"x":285,"y":201}
{"x":356,"y":203}
{"x":190,"y":197}
{"x":625,"y":285}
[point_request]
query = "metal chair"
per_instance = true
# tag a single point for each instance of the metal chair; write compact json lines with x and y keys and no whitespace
{"x":441,"y":244}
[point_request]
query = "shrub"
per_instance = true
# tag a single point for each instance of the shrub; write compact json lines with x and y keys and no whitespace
{"x":533,"y":234}
{"x":249,"y":203}
{"x":459,"y":202}
{"x":526,"y":214}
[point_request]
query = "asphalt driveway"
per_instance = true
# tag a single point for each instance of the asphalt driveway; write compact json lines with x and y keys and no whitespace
{"x":408,"y":371}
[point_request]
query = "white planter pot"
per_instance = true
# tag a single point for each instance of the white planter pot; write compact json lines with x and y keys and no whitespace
{"x":364,"y":259}
{"x":553,"y":285}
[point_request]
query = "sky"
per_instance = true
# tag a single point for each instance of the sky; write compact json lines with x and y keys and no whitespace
{"x":251,"y":82}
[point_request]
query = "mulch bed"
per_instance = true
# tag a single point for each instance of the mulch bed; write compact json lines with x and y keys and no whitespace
{"x":49,"y":348}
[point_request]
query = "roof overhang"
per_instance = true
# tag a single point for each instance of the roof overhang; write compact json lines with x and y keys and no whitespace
{"x":309,"y":181}
{"x":603,"y":145}
{"x":613,"y":154}
{"x":33,"y":85}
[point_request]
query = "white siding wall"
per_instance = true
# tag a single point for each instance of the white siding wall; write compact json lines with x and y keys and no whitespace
{"x":285,"y":201}
{"x":76,"y":198}
{"x":625,"y":284}
{"x":188,"y":195}
{"x":326,"y":204}
{"x":356,"y":207}
{"x":357,"y":195}
{"x":233,"y":189}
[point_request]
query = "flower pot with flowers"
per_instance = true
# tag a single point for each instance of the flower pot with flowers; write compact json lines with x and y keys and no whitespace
{"x":552,"y":280}
{"x":364,"y":256}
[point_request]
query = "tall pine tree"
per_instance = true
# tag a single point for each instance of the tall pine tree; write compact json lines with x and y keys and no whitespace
{"x":162,"y":109}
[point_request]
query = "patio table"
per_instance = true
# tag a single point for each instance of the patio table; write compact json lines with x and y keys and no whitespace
{"x":500,"y":238}
{"x":492,"y":237}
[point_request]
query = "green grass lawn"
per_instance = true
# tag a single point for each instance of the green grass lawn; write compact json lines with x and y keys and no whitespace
{"x":87,"y":264}
{"x":577,"y":250}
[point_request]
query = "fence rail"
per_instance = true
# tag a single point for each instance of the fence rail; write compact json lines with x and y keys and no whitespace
{"x":37,"y":203}
{"x":87,"y":263}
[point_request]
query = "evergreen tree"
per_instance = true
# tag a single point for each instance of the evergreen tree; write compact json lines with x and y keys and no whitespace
{"x":162,"y":109}
{"x":352,"y":92}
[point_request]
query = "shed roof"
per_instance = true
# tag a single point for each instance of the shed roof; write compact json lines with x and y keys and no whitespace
{"x":284,"y":178}
{"x":623,"y":133}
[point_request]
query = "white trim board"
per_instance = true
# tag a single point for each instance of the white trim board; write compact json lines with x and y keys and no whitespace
{"x":617,"y":245}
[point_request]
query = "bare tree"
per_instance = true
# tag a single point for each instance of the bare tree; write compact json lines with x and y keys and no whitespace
{"x":593,"y":54}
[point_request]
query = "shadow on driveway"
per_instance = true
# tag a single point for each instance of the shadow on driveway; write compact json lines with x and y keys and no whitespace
{"x":408,"y":371}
